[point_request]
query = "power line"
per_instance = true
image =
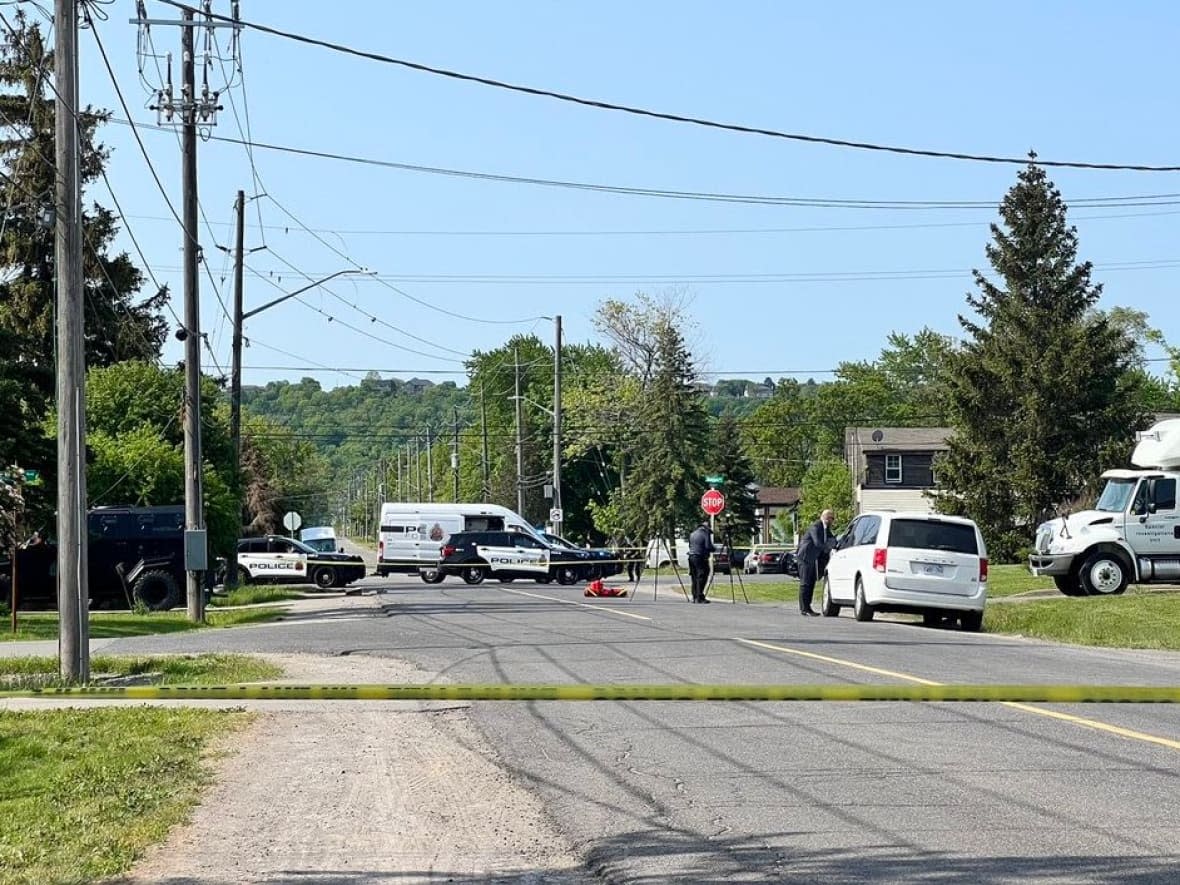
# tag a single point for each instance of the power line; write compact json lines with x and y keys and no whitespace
{"x":700,"y":196}
{"x":681,"y":118}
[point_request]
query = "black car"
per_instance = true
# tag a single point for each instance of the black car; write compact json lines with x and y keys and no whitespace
{"x":607,"y":562}
{"x":508,"y":556}
{"x":135,"y":557}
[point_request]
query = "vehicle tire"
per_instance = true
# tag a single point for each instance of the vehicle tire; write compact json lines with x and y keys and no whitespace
{"x":828,"y":608}
{"x":1070,"y":585}
{"x":566,"y":575}
{"x":861,"y":610}
{"x":156,"y":590}
{"x":243,"y":577}
{"x":934,"y":619}
{"x":1104,"y":574}
{"x":325,"y":577}
{"x":972,"y":622}
{"x":431,"y":575}
{"x":474,"y":573}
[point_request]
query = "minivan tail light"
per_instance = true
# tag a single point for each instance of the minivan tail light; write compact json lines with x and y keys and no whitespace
{"x":982,"y":570}
{"x":879,"y":556}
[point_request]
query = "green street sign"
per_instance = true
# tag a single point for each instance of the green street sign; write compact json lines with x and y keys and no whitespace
{"x":714,"y":480}
{"x":33,"y":477}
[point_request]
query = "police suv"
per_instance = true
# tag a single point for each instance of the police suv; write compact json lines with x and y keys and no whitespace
{"x":284,"y":560}
{"x":506,"y":556}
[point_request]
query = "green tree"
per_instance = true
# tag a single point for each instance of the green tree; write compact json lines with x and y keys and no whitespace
{"x":664,"y":484}
{"x":827,"y":485}
{"x":118,"y":326}
{"x":739,"y":520}
{"x":1042,"y":394}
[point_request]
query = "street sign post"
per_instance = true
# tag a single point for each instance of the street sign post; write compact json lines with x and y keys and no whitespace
{"x":715,"y":480}
{"x":556,"y":516}
{"x":292,"y":521}
{"x":712,"y":502}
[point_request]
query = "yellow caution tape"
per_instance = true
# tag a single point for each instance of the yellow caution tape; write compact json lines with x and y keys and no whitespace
{"x":1053,"y":694}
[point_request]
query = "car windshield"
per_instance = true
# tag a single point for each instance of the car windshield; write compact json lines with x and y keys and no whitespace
{"x":301,"y":547}
{"x":323,"y":545}
{"x":1116,"y":495}
{"x":929,"y":534}
{"x":559,"y":541}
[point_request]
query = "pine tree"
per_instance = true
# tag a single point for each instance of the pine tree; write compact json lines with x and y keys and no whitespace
{"x":118,"y":327}
{"x":665,"y":481}
{"x":1041,"y":391}
{"x":739,"y":520}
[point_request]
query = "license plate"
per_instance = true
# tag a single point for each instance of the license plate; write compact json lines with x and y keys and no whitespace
{"x":930,"y":569}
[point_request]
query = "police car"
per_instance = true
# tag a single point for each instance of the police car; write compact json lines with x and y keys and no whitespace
{"x":507,"y":556}
{"x":284,"y":560}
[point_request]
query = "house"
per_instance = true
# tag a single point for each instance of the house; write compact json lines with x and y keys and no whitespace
{"x":765,"y":390}
{"x":893,"y":467}
{"x":773,"y":500}
{"x":416,"y":386}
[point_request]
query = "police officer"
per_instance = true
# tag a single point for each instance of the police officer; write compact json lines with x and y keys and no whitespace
{"x":700,"y":547}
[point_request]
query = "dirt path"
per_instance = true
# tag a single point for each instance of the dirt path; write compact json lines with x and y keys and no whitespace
{"x":343,"y":793}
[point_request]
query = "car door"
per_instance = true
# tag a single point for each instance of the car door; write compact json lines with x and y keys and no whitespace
{"x":1153,"y":526}
{"x":288,"y":561}
{"x":841,"y":566}
{"x":532,"y":557}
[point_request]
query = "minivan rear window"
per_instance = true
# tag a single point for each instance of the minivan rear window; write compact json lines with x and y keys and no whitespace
{"x":923,"y":534}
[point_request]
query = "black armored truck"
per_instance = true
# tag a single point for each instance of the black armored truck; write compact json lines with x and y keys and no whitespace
{"x":136,"y":558}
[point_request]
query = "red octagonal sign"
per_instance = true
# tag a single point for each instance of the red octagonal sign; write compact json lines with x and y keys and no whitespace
{"x":712,"y":502}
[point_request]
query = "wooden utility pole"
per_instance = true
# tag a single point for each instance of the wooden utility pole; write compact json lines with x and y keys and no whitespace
{"x":429,"y":465}
{"x":72,"y":553}
{"x":519,"y":438}
{"x":557,"y":511}
{"x":455,"y":455}
{"x":483,"y":420}
{"x":235,"y":376}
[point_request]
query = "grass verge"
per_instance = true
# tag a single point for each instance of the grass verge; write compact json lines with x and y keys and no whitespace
{"x":255,"y":595}
{"x":114,"y":625}
{"x":1011,"y":580}
{"x":83,"y":793}
{"x":1134,"y":620}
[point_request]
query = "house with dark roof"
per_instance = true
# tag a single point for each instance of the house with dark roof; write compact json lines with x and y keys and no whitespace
{"x":893,"y":467}
{"x":773,"y":500}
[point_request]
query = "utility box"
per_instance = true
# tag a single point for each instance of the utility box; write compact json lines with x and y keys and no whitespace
{"x":196,"y":551}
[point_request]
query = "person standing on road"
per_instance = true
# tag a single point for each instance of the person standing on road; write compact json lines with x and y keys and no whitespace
{"x":812,"y":556}
{"x":700,"y":548}
{"x":634,"y":555}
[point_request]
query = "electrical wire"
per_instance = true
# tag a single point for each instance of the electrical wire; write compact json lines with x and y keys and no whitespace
{"x":681,"y":118}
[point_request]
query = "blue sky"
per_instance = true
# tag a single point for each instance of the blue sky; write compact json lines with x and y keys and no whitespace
{"x":1075,"y":81}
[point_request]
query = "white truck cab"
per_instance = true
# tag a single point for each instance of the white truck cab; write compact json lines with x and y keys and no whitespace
{"x":1133,"y":532}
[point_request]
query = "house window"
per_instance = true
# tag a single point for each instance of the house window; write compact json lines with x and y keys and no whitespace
{"x":893,"y":468}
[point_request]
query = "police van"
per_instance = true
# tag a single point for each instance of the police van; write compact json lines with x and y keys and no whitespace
{"x":275,"y":559}
{"x":411,"y":535}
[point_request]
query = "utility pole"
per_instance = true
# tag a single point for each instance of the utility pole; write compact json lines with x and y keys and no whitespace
{"x":557,"y":523}
{"x":483,"y":420}
{"x":429,"y":466}
{"x":400,"y":495}
{"x":194,"y":511}
{"x":417,"y":468}
{"x":72,"y":567}
{"x":235,"y":378}
{"x":519,"y":440}
{"x":455,"y":455}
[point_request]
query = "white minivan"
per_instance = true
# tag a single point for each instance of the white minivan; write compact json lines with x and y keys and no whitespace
{"x":922,"y":563}
{"x":411,"y":535}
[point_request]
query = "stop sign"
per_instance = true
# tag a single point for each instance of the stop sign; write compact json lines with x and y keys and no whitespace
{"x":712,"y":502}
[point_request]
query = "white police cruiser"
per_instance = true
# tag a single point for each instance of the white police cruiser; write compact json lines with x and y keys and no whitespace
{"x":276,"y":559}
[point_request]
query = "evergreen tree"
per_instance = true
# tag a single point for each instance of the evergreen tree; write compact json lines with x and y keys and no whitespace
{"x":664,"y":484}
{"x":1041,"y":394}
{"x":739,"y":520}
{"x":118,"y":327}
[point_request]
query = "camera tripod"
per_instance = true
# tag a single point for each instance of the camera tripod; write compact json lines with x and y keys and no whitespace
{"x":713,"y":574}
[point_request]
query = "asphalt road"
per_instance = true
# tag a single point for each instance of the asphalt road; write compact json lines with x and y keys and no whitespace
{"x":833,"y":792}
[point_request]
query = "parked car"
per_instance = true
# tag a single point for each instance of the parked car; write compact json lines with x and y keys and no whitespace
{"x":273,"y":558}
{"x":506,"y":556}
{"x":924,"y":563}
{"x":767,"y":559}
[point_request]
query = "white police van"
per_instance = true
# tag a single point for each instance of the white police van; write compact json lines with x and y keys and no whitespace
{"x":411,"y":535}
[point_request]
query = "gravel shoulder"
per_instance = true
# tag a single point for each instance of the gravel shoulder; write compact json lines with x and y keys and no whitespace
{"x":328,"y":793}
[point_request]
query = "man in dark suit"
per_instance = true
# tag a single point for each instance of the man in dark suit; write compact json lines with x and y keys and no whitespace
{"x":700,"y":547}
{"x":813,"y":553}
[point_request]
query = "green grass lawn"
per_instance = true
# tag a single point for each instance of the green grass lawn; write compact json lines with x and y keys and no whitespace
{"x":1010,"y":580}
{"x":1134,"y":620}
{"x":113,"y":625}
{"x":255,"y":595}
{"x":83,"y":793}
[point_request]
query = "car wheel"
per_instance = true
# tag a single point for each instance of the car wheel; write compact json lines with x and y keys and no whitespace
{"x":861,"y":610}
{"x":1070,"y":585}
{"x":431,"y":575}
{"x":1104,"y":574}
{"x":567,"y":575}
{"x":325,"y":577}
{"x":474,"y":574}
{"x":827,"y":607}
{"x":243,"y":577}
{"x":972,"y":621}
